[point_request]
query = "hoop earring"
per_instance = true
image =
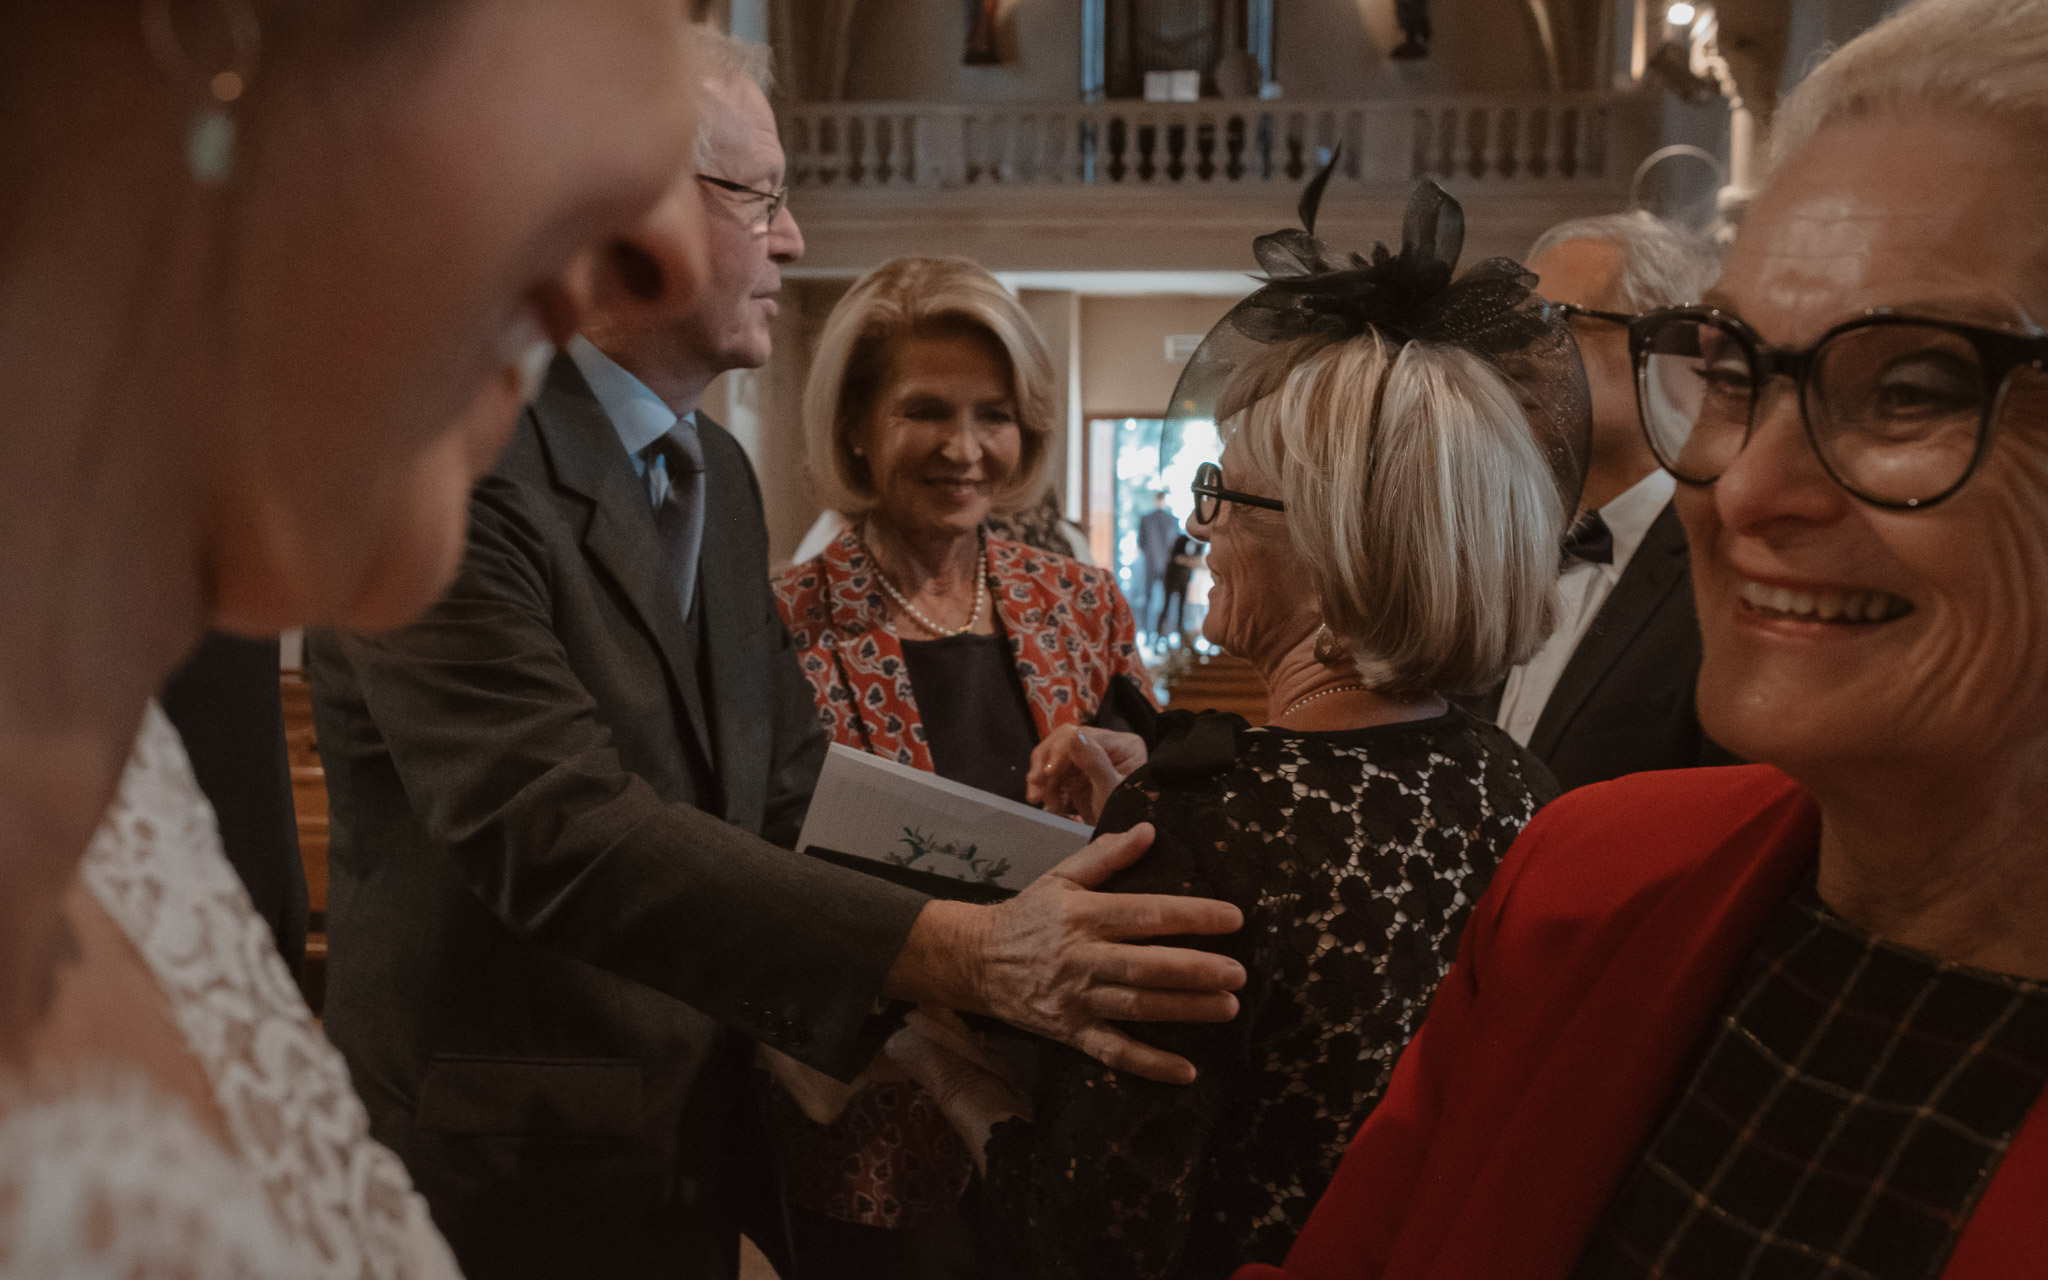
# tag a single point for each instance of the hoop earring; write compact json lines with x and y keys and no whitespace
{"x":1331,"y":651}
{"x":210,"y":136}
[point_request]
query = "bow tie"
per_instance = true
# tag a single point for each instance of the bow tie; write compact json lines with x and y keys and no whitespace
{"x":1590,"y":540}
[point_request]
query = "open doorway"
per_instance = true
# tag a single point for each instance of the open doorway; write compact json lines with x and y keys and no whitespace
{"x":1133,"y":460}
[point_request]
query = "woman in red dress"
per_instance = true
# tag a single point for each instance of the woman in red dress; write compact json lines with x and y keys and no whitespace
{"x":1791,"y":1020}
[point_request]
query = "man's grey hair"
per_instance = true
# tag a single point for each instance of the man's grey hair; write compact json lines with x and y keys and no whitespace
{"x":720,"y":56}
{"x":1662,"y":263}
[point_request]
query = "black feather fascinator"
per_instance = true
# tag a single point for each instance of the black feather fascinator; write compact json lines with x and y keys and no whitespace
{"x":1309,"y":299}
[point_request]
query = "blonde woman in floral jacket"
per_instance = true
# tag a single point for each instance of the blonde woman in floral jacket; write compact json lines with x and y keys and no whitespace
{"x":932,"y":644}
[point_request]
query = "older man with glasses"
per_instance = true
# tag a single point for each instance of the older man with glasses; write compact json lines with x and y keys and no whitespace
{"x":560,"y":920}
{"x":1611,"y":692}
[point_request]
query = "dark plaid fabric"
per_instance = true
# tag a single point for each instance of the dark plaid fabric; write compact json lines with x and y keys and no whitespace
{"x":1852,"y":1104}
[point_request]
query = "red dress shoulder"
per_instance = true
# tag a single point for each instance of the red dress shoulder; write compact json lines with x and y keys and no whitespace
{"x":1587,"y":976}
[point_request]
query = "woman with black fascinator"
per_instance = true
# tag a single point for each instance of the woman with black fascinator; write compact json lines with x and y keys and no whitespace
{"x":1384,"y":525}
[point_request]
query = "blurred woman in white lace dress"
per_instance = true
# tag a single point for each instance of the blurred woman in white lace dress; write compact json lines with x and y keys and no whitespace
{"x":270,"y":275}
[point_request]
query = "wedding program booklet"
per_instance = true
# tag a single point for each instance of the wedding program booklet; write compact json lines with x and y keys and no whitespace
{"x":936,"y":836}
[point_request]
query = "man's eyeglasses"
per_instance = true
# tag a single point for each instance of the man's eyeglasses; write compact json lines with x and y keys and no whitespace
{"x":774,"y":202}
{"x":1898,"y":408}
{"x":1592,"y":313}
{"x":1210,"y":495}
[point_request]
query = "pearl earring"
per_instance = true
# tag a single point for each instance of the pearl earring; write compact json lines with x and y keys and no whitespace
{"x":210,"y":136}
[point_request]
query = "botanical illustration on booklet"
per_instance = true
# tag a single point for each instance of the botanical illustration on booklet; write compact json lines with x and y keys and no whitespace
{"x":943,"y":855}
{"x":887,"y":813}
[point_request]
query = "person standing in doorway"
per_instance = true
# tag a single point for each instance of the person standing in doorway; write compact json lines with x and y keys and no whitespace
{"x":1186,"y":557}
{"x":1156,"y":533}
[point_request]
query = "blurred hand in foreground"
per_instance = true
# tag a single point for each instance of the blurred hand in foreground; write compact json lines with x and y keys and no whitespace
{"x":1057,"y":960}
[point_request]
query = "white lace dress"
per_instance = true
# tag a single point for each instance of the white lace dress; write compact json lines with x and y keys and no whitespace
{"x":116,"y":1179}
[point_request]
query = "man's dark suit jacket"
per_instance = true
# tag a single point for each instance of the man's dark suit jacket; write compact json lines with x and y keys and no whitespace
{"x":1624,"y":703}
{"x":551,"y":900}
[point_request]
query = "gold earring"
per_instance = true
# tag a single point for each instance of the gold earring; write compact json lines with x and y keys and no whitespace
{"x":210,"y":136}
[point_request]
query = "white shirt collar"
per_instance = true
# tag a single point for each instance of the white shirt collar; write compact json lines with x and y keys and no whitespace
{"x":636,"y":413}
{"x":1630,"y":515}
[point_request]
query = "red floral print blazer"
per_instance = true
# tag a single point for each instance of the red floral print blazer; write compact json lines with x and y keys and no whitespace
{"x":1070,"y":631}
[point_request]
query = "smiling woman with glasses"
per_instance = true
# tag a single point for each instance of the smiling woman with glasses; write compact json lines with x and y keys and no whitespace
{"x":1791,"y":1019}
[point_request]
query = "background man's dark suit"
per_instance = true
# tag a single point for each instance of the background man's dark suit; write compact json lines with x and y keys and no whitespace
{"x":546,"y":896}
{"x":1624,"y":703}
{"x":1157,"y":532}
{"x":227,"y":707}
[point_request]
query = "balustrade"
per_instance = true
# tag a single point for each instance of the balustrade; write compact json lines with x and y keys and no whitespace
{"x":1216,"y":145}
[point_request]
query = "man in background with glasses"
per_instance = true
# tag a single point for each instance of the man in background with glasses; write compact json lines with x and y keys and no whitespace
{"x":1611,"y":691}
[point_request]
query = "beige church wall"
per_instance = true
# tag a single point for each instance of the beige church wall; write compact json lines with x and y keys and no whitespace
{"x":1123,"y":349}
{"x":1336,"y":49}
{"x":763,"y":408}
{"x":1323,"y":52}
{"x":910,"y":51}
{"x":1483,"y":46}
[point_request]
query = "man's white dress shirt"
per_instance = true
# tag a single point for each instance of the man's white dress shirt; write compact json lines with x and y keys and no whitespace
{"x":1581,"y":590}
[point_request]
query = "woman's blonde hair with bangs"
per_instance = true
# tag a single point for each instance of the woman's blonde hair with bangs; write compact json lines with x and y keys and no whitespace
{"x":918,"y":297}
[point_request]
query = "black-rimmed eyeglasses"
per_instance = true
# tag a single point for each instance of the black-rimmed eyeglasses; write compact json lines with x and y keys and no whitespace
{"x":1210,"y":495}
{"x":1898,"y":408}
{"x":774,"y":202}
{"x":1593,"y":313}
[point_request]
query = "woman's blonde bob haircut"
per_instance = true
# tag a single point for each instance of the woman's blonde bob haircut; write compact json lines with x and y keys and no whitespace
{"x":1429,"y":521}
{"x":918,"y":297}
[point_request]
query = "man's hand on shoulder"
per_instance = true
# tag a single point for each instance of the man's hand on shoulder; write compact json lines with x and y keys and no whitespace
{"x":1058,"y":960}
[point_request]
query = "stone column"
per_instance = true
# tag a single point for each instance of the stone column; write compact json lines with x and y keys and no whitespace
{"x":1753,"y":37}
{"x":1057,"y":313}
{"x":764,"y":409}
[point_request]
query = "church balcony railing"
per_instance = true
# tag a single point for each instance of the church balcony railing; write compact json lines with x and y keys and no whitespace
{"x":1214,"y":146}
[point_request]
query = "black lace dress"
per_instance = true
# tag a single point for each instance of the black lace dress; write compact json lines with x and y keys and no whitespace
{"x":1355,"y":857}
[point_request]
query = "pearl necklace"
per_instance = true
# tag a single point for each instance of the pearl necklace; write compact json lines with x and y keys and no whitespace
{"x":917,"y":614}
{"x":1323,"y":693}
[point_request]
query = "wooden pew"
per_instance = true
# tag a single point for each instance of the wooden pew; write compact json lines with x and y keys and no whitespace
{"x":1218,"y":682}
{"x":309,"y":798}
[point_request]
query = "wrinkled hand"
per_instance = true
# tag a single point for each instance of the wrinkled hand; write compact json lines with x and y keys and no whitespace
{"x":1074,"y":770}
{"x":943,"y":1056}
{"x":1055,"y":960}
